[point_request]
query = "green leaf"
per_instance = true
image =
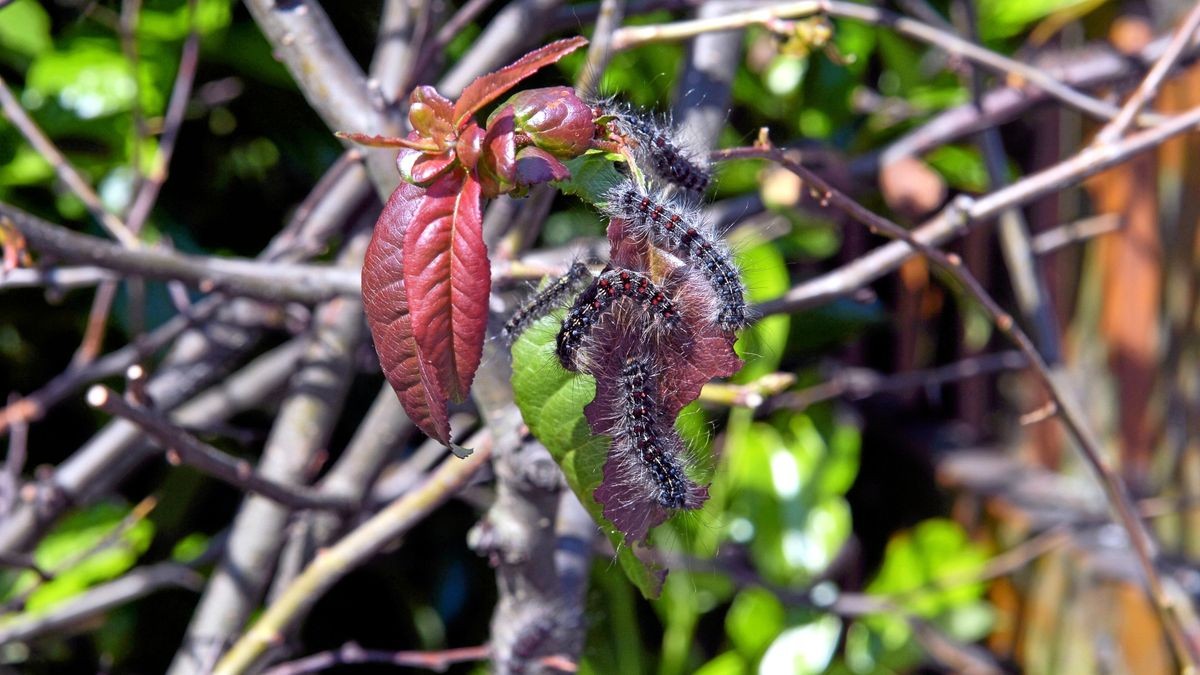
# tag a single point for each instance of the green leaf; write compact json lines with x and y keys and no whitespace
{"x":764,"y":272}
{"x":753,"y":621}
{"x":592,"y":174}
{"x":92,"y":79}
{"x":962,"y":167}
{"x":551,"y":402}
{"x":1004,"y":18}
{"x":174,"y":24}
{"x":729,"y":663}
{"x":934,"y":566}
{"x":76,"y":535}
{"x":24,"y":28}
{"x":803,"y":650}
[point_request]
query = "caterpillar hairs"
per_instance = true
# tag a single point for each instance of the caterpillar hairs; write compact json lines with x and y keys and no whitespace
{"x":644,"y":436}
{"x":658,"y":148}
{"x":546,"y":301}
{"x":676,"y":229}
{"x":592,"y":303}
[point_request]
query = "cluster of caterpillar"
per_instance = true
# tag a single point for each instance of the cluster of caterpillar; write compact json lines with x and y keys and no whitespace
{"x":672,"y":226}
{"x":628,"y":322}
{"x":644,"y":438}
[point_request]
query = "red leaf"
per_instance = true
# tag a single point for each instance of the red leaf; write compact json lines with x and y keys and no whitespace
{"x":447,"y":267}
{"x":430,"y":114}
{"x":488,"y":88}
{"x":422,"y":168}
{"x":498,"y":163}
{"x":385,"y":299}
{"x":413,"y":141}
{"x":536,"y":166}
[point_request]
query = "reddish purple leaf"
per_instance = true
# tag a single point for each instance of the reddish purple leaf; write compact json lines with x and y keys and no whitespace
{"x":430,"y":115}
{"x":385,"y":300}
{"x":422,"y":167}
{"x":536,"y":166}
{"x":447,"y":268}
{"x":497,"y":169}
{"x":487,"y":88}
{"x":414,"y":141}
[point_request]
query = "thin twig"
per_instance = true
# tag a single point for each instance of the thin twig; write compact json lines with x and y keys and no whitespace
{"x":181,"y":92}
{"x":254,"y":279}
{"x":63,"y":168}
{"x":352,"y":550}
{"x":1070,"y":233}
{"x":965,"y":212}
{"x":204,"y":457}
{"x":1150,"y":84}
{"x":859,"y":383}
{"x":632,"y":36}
{"x":1174,"y":617}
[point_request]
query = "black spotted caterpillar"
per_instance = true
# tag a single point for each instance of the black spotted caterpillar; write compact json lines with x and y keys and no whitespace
{"x":599,"y":298}
{"x":646,"y":442}
{"x":656,"y":148}
{"x":675,"y":229}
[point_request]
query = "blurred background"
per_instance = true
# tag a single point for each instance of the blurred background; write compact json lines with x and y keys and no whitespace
{"x":896,"y":498}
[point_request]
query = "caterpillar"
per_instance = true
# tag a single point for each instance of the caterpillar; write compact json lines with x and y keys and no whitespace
{"x":673,"y":228}
{"x":545,"y":301}
{"x":596,"y":299}
{"x":643,"y":433}
{"x":658,"y":149}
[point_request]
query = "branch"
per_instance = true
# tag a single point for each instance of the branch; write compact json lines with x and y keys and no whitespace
{"x":302,"y":428}
{"x":63,"y":168}
{"x":303,"y":38}
{"x":966,"y":211}
{"x":276,"y":282}
{"x":633,"y":36}
{"x":354,"y":549}
{"x":860,"y":383}
{"x":1150,"y":84}
{"x":204,"y":457}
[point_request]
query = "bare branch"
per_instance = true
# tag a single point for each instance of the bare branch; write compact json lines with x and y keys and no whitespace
{"x":271,"y":282}
{"x":192,"y":452}
{"x":355,"y":548}
{"x":857,"y":274}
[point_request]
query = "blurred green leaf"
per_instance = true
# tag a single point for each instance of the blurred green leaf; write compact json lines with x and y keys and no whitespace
{"x":189,"y":548}
{"x":91,"y":78}
{"x":803,"y":650}
{"x":728,"y":663}
{"x":962,"y":167}
{"x":78,"y":534}
{"x":551,"y":402}
{"x":1004,"y":18}
{"x":764,"y":272}
{"x":24,"y":28}
{"x":753,"y":621}
{"x":173,"y":24}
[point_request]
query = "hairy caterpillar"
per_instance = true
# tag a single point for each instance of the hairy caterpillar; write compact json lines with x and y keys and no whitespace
{"x":545,"y":301}
{"x":658,"y":148}
{"x":643,"y":433}
{"x":672,"y":228}
{"x":596,"y":299}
